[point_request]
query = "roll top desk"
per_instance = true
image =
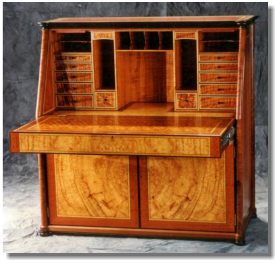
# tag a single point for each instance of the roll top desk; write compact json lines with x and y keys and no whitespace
{"x":145,"y":127}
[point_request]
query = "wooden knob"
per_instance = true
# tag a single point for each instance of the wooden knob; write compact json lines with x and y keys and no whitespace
{"x":105,"y":99}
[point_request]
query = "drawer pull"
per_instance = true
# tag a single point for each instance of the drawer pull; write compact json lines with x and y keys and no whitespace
{"x":73,"y":76}
{"x":220,"y":89}
{"x":72,"y":58}
{"x":74,"y":101}
{"x":105,"y":99}
{"x":220,"y":103}
{"x":219,"y":58}
{"x":218,"y":67}
{"x":219,"y":77}
{"x":186,"y":101}
{"x":74,"y":88}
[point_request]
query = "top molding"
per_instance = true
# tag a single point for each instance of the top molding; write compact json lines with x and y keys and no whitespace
{"x":143,"y":22}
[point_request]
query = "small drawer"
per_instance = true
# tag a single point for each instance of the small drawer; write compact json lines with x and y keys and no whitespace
{"x":218,"y":89}
{"x":218,"y":77}
{"x":217,"y":102}
{"x":103,"y":35}
{"x":73,"y":67}
{"x":74,"y":101}
{"x":73,"y":88}
{"x":105,"y":100}
{"x":218,"y":66}
{"x":186,"y":101}
{"x":185,"y":35}
{"x":218,"y":58}
{"x":68,"y":57}
{"x":73,"y":77}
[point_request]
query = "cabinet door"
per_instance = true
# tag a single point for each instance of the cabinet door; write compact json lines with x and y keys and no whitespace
{"x":188,"y":193}
{"x":93,"y":190}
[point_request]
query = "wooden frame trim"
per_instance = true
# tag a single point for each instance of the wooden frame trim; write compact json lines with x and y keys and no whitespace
{"x":154,"y":233}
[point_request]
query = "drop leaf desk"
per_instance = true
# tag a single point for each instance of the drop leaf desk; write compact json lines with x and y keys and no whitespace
{"x":145,"y":127}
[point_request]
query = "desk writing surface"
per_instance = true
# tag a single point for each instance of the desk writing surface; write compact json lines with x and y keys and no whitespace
{"x":130,"y":125}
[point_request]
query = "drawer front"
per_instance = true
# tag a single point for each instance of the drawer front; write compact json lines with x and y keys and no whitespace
{"x":73,"y":77}
{"x":72,"y":67}
{"x":185,"y":35}
{"x":218,"y":58}
{"x":103,"y":35}
{"x":218,"y":66}
{"x":73,"y":88}
{"x":218,"y":77}
{"x":118,"y":144}
{"x":218,"y":89}
{"x":77,"y":58}
{"x":186,"y":101}
{"x":104,"y":100}
{"x":74,"y":101}
{"x":217,"y":103}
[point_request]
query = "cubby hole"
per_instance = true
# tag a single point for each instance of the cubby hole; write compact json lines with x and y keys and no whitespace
{"x":104,"y":66}
{"x":219,"y":41}
{"x":72,"y":42}
{"x":144,"y":40}
{"x":186,"y":64}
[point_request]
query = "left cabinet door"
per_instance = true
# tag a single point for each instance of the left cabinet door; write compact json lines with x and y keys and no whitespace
{"x":92,"y":190}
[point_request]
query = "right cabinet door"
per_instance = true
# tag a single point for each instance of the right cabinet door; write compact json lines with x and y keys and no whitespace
{"x":187,"y":193}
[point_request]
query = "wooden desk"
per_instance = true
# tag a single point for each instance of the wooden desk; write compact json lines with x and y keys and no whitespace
{"x":145,"y":127}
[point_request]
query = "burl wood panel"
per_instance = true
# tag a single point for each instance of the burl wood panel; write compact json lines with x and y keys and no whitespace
{"x":74,"y":101}
{"x":186,"y":101}
{"x":93,"y":190}
{"x":218,"y":89}
{"x":217,"y":102}
{"x":188,"y":193}
{"x":73,"y":88}
{"x":185,"y":35}
{"x":72,"y":57}
{"x":218,"y":77}
{"x":105,"y":100}
{"x":218,"y":66}
{"x":218,"y":58}
{"x":115,"y":144}
{"x":73,"y":77}
{"x":139,"y":125}
{"x":72,"y":67}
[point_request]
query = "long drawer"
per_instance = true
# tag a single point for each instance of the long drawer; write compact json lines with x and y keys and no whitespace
{"x":217,"y":89}
{"x":218,"y":66}
{"x":72,"y":57}
{"x":118,"y":144}
{"x":73,"y":77}
{"x":68,"y":88}
{"x":74,"y":101}
{"x":72,"y":66}
{"x":218,"y":57}
{"x":217,"y":102}
{"x":218,"y":77}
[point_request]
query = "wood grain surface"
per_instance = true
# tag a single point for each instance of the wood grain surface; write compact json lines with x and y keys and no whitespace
{"x":74,"y":101}
{"x":139,"y":125}
{"x":218,"y":89}
{"x":68,"y":88}
{"x":72,"y":67}
{"x":186,"y":100}
{"x":188,"y":193}
{"x":218,"y":77}
{"x":93,"y":190}
{"x":73,"y":77}
{"x":72,"y":57}
{"x":218,"y":57}
{"x":217,"y":102}
{"x":218,"y":66}
{"x":116,"y":144}
{"x":105,"y":100}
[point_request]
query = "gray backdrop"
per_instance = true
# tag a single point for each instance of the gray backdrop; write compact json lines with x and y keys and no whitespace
{"x":22,"y":40}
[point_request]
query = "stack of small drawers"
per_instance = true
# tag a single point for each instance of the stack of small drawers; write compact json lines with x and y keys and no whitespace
{"x":73,"y":80}
{"x":218,"y":81}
